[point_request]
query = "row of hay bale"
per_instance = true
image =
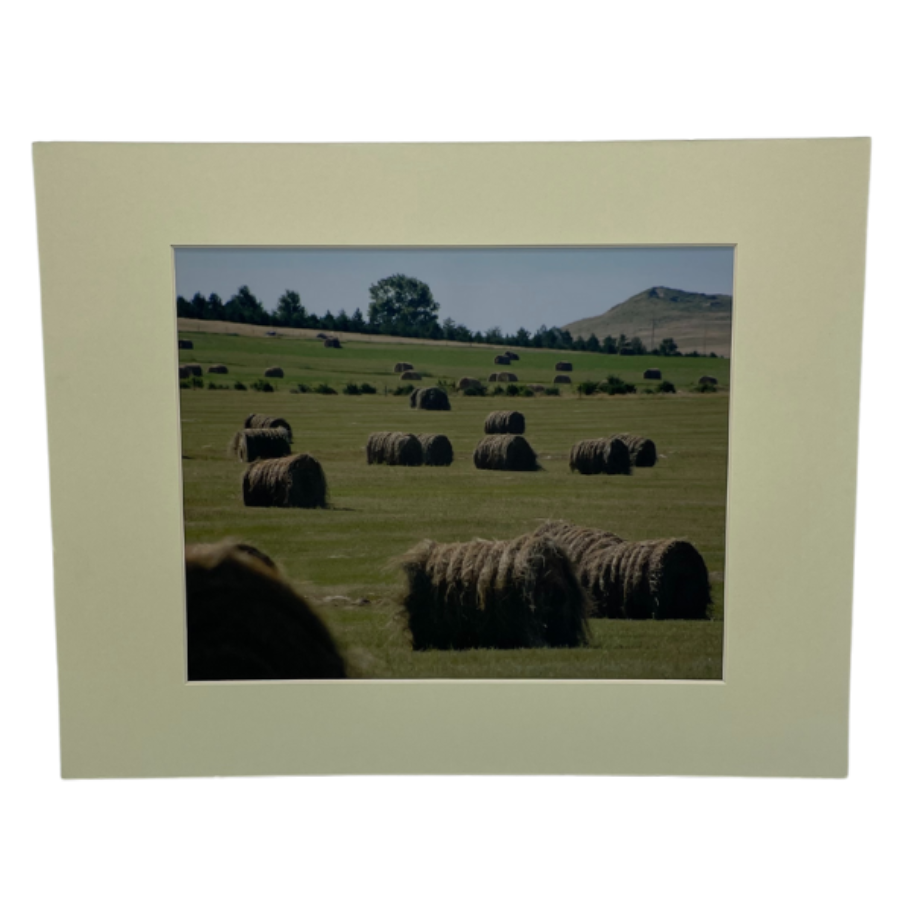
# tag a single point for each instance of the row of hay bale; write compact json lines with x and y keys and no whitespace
{"x":395,"y":448}
{"x":431,"y":398}
{"x":614,"y":455}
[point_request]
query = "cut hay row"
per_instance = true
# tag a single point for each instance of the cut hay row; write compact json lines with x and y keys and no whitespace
{"x":464,"y":383}
{"x":257,"y":420}
{"x":296,"y":481}
{"x":393,"y":448}
{"x":410,"y":376}
{"x":652,"y":374}
{"x":502,"y":360}
{"x":333,"y":343}
{"x":504,"y":422}
{"x":431,"y":398}
{"x":185,"y":345}
{"x":218,"y":369}
{"x":503,"y":376}
{"x":497,"y":594}
{"x":436,"y":449}
{"x":246,"y":622}
{"x":562,"y":379}
{"x":403,"y":367}
{"x":641,"y":450}
{"x":600,"y":456}
{"x":509,"y":452}
{"x":563,"y":366}
{"x":274,"y":372}
{"x":251,"y":444}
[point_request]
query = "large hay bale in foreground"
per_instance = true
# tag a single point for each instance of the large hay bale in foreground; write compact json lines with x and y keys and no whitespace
{"x":707,"y":379}
{"x":464,"y":383}
{"x":403,"y":367}
{"x":663,"y":579}
{"x":332,"y":342}
{"x":497,"y":594}
{"x":258,"y":420}
{"x":296,"y":481}
{"x":600,"y":456}
{"x":652,"y":374}
{"x":641,"y":450}
{"x":432,"y":398}
{"x":504,"y":421}
{"x":513,"y":356}
{"x":410,"y":376}
{"x":218,"y":369}
{"x":184,"y":372}
{"x":274,"y":372}
{"x":564,"y":366}
{"x":394,"y":448}
{"x":510,"y":452}
{"x":185,"y":345}
{"x":245,"y":621}
{"x":250,"y":444}
{"x":502,"y":360}
{"x":577,"y":540}
{"x":562,"y":379}
{"x":436,"y":449}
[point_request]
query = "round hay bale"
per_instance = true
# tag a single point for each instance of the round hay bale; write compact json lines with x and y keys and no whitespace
{"x":464,"y":383}
{"x":575,"y":539}
{"x":564,"y":366}
{"x":537,"y":388}
{"x":334,"y":343}
{"x":562,"y":379}
{"x":600,"y":456}
{"x":513,"y":356}
{"x":410,"y":376}
{"x":431,"y":398}
{"x":403,"y":367}
{"x":394,"y":448}
{"x":504,"y":422}
{"x":257,"y":420}
{"x":652,"y":374}
{"x":510,"y":452}
{"x":246,"y":622}
{"x":497,"y":594}
{"x":507,"y":376}
{"x":194,"y":369}
{"x":641,"y":450}
{"x":218,"y":369}
{"x":707,"y":379}
{"x":296,"y":481}
{"x":184,"y":372}
{"x":250,"y":444}
{"x":436,"y":449}
{"x":185,"y":345}
{"x":274,"y":372}
{"x":502,"y":360}
{"x":664,"y":579}
{"x":322,"y":337}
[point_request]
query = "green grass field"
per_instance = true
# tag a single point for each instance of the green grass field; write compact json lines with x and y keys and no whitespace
{"x":341,"y":556}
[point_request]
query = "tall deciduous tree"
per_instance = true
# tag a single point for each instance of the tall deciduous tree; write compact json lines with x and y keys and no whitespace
{"x":403,"y":303}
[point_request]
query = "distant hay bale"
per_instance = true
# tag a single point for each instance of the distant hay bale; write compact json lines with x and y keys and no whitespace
{"x":431,"y":398}
{"x":496,"y":594}
{"x":564,"y":366}
{"x":322,"y":337}
{"x":652,"y":374}
{"x":296,"y":481}
{"x":333,"y":342}
{"x":707,"y":379}
{"x":600,"y":456}
{"x":464,"y":383}
{"x":537,"y":388}
{"x":403,"y":367}
{"x":274,"y":372}
{"x":562,"y":379}
{"x":185,"y":345}
{"x":504,"y":422}
{"x":246,"y":622}
{"x":218,"y":370}
{"x":436,"y":449}
{"x":194,"y":369}
{"x":503,"y":376}
{"x":394,"y":448}
{"x":510,"y":452}
{"x":257,"y":420}
{"x":513,"y":356}
{"x":502,"y":360}
{"x":184,"y":372}
{"x":250,"y":444}
{"x":410,"y":376}
{"x":641,"y":450}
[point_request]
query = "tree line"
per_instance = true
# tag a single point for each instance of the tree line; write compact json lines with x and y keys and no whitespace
{"x":402,"y":306}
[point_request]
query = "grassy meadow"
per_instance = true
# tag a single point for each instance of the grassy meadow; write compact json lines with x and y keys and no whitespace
{"x":341,"y":559}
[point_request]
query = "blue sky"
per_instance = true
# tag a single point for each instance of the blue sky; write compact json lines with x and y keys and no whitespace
{"x":481,"y":288}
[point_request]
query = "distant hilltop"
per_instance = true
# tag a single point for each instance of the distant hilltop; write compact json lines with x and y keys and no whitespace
{"x":700,"y":322}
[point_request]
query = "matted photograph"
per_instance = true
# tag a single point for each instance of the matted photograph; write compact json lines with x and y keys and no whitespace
{"x":454,"y":463}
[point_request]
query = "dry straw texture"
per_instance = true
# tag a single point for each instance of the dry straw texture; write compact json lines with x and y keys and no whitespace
{"x":432,"y":398}
{"x":564,"y":366}
{"x":274,"y":372}
{"x":291,"y":481}
{"x":562,"y":379}
{"x":257,"y":420}
{"x":436,"y":449}
{"x":707,"y":379}
{"x":600,"y":456}
{"x":185,"y":345}
{"x":499,"y":594}
{"x":464,"y":383}
{"x":505,"y":451}
{"x":504,"y":421}
{"x":410,"y":376}
{"x":394,"y":448}
{"x":334,"y":343}
{"x":260,"y":443}
{"x":511,"y":355}
{"x":246,"y":622}
{"x":502,"y":360}
{"x":641,"y":450}
{"x":218,"y":369}
{"x":652,"y":374}
{"x":403,"y":367}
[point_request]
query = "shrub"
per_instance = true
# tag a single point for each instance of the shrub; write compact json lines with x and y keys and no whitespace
{"x":212,"y":386}
{"x":402,"y":390}
{"x":616,"y":385}
{"x":196,"y":382}
{"x":704,"y":389}
{"x":551,"y":392}
{"x":512,"y":390}
{"x":666,"y":387}
{"x":301,"y":389}
{"x":323,"y":388}
{"x":184,"y":385}
{"x":352,"y":389}
{"x":239,"y":386}
{"x":446,"y":386}
{"x":262,"y":385}
{"x":497,"y":391}
{"x":475,"y":390}
{"x":525,"y":391}
{"x":586,"y":388}
{"x":366,"y":388}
